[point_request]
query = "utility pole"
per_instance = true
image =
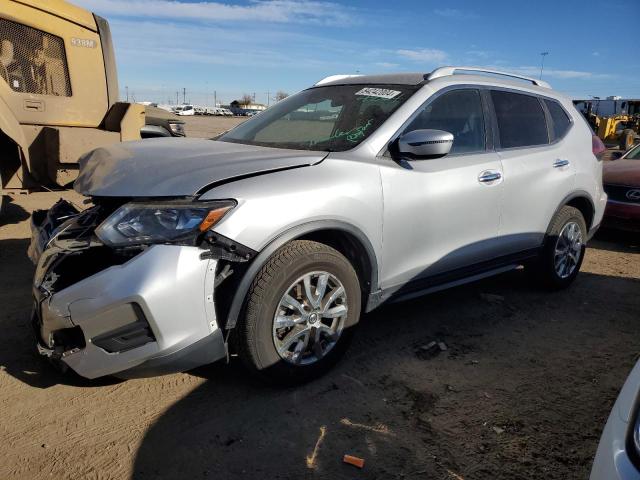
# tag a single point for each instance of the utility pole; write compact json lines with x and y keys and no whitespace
{"x":127,"y":90}
{"x":268,"y":98}
{"x":184,"y":95}
{"x":543,"y":54}
{"x":215,"y":99}
{"x":177,"y":99}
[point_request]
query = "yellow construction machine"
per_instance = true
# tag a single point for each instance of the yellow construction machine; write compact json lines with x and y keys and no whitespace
{"x":58,"y":94}
{"x":616,"y":121}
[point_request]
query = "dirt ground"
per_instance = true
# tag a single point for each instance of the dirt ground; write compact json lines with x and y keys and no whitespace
{"x":522,"y":392}
{"x":207,"y":127}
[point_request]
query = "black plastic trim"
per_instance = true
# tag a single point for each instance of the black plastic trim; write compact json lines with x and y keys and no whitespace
{"x":415,"y":287}
{"x":127,"y":337}
{"x":573,"y":195}
{"x":282,"y":239}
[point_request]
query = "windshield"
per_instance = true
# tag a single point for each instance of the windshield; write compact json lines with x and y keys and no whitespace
{"x":332,"y":118}
{"x":634,"y":154}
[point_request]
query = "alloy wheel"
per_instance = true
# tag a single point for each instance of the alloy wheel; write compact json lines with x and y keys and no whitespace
{"x":310,"y":318}
{"x":568,"y":250}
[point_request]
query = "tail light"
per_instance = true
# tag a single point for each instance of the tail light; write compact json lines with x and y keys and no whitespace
{"x":597,"y":147}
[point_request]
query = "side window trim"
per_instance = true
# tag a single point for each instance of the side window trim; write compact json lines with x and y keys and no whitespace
{"x":385,"y":152}
{"x":547,"y":120}
{"x":551,"y":133}
{"x":491,"y":121}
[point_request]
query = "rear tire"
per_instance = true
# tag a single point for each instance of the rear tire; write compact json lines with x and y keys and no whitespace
{"x":558,"y":264}
{"x":294,"y":328}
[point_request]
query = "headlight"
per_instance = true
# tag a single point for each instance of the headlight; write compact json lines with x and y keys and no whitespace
{"x":145,"y":223}
{"x":177,"y":128}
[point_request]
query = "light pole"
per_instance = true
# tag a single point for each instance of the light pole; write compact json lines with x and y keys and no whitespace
{"x":543,"y":54}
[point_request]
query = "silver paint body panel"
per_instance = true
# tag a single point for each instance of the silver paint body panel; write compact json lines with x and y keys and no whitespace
{"x":176,"y":167}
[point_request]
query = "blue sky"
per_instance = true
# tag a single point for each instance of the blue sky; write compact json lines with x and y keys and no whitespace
{"x":236,"y":47}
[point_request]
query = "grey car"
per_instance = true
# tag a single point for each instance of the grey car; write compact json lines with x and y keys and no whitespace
{"x":270,"y":241}
{"x":618,"y":454}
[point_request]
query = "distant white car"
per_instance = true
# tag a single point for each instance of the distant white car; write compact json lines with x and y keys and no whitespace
{"x":618,"y":455}
{"x":199,"y":110}
{"x":184,"y":110}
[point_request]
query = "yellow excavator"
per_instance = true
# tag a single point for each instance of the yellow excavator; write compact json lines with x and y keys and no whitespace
{"x":616,"y":121}
{"x":59,"y":94}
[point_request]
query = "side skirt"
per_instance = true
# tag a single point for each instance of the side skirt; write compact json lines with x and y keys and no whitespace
{"x":454,"y":278}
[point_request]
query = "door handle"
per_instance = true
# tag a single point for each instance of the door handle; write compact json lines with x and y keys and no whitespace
{"x":489,"y":176}
{"x":560,"y":163}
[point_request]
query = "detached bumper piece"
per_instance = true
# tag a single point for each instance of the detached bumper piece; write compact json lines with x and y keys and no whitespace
{"x":129,"y":312}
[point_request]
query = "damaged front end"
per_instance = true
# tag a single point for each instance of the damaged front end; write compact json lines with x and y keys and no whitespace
{"x":120,"y":302}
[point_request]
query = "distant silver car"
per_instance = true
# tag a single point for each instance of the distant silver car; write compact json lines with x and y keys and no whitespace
{"x":618,"y":455}
{"x":271,"y":240}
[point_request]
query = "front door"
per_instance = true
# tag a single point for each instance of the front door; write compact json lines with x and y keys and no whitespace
{"x":442,"y":214}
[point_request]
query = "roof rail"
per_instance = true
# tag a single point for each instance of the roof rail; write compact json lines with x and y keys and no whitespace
{"x":446,"y":71}
{"x":334,"y":78}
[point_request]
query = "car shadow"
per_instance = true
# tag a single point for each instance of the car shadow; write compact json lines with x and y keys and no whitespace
{"x":616,"y":241}
{"x":374,"y":404}
{"x":12,"y":212}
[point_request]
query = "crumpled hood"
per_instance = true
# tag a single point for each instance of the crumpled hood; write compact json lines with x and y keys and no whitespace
{"x":622,"y":172}
{"x":175,"y":167}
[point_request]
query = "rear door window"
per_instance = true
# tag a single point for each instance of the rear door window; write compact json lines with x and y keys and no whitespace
{"x":458,"y":112}
{"x":559,"y":118}
{"x":521,"y":120}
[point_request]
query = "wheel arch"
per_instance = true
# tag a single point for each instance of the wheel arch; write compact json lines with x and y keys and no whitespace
{"x":344,"y":237}
{"x":583,"y":202}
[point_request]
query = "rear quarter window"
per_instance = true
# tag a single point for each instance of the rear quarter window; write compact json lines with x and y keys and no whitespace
{"x":521,"y":120}
{"x":559,"y":118}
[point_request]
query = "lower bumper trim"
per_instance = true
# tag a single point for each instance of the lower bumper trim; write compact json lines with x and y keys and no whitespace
{"x":206,"y":350}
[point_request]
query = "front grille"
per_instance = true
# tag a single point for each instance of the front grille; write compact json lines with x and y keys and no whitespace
{"x":623,"y":193}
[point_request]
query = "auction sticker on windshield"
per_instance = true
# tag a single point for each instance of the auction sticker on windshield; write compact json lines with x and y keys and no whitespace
{"x":378,"y":92}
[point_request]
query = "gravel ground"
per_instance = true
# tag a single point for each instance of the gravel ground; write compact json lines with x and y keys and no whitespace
{"x":522,"y":391}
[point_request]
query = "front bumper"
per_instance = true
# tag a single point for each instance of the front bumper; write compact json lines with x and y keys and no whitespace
{"x":152,"y":314}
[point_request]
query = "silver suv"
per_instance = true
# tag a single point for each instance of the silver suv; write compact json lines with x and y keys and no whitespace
{"x":271,"y":240}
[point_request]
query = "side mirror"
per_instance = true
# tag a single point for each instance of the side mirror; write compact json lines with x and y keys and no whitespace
{"x":425,"y":143}
{"x":616,"y":155}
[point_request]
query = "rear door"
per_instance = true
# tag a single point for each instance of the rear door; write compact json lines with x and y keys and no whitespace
{"x":539,"y":166}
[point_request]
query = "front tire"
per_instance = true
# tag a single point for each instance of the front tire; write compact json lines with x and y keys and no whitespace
{"x":559,"y":262}
{"x":301,"y":312}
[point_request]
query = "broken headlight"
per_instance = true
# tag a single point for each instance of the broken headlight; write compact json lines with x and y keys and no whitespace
{"x":145,"y":223}
{"x":177,"y":128}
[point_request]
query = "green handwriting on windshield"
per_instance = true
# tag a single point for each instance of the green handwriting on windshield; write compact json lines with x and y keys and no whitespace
{"x":353,"y":135}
